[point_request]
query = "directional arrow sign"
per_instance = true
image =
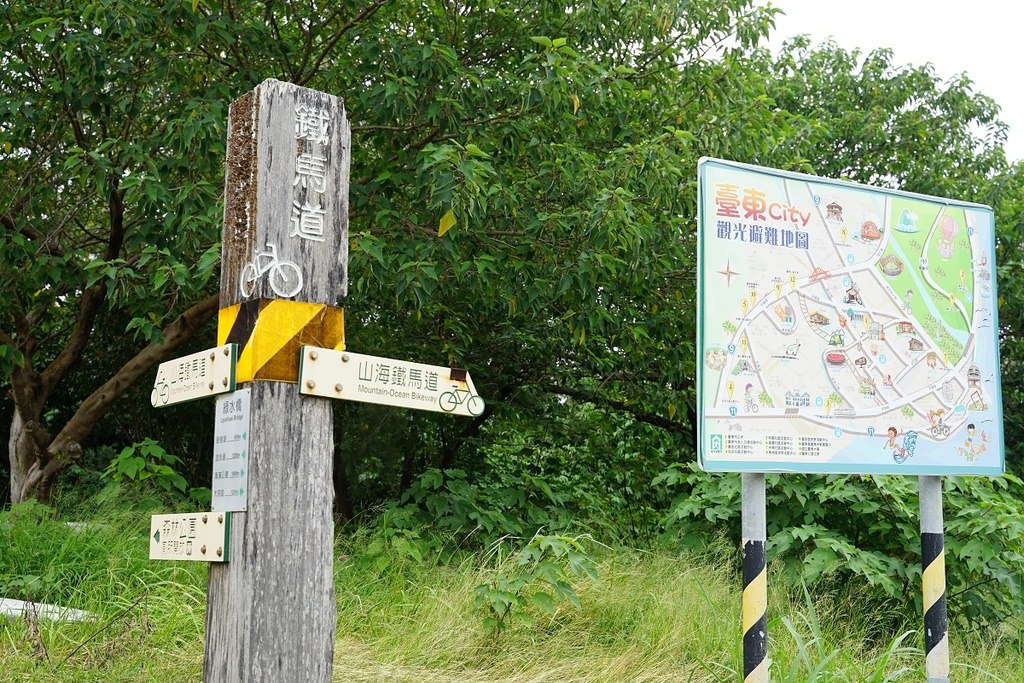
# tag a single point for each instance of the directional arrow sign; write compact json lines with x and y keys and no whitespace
{"x":201,"y":374}
{"x":230,"y":447}
{"x":202,"y":536}
{"x":373,"y":379}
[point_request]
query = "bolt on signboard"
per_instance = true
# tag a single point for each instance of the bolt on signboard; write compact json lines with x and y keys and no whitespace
{"x":844,"y":328}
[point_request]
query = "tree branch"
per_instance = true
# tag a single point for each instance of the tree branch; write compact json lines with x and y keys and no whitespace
{"x":177,"y":333}
{"x":642,"y":415}
{"x":367,"y":12}
{"x":89,"y":305}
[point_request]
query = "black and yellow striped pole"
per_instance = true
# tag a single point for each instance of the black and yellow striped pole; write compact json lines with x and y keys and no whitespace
{"x":933,"y":582}
{"x":755,"y":581}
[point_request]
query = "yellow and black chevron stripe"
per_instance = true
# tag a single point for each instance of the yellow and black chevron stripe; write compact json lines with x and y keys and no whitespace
{"x":755,"y":612}
{"x":270,"y":333}
{"x":933,"y":583}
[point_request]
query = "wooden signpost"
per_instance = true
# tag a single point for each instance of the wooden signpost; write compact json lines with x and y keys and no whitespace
{"x":270,"y":602}
{"x":270,"y":610}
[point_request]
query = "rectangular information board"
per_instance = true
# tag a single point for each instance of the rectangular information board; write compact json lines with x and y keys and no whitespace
{"x":844,"y":328}
{"x":231,"y":428}
{"x":387,"y":381}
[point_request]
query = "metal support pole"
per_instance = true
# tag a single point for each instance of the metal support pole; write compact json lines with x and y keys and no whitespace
{"x":755,"y":582}
{"x":933,"y":582}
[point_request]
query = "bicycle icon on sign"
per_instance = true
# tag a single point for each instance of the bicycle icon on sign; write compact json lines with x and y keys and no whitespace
{"x":450,"y":400}
{"x":285,"y":276}
{"x":160,"y":394}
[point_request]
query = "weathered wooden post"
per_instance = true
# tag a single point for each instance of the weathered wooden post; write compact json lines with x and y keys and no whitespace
{"x":270,"y":610}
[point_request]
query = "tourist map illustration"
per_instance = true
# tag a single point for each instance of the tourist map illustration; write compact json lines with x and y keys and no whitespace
{"x":844,"y":328}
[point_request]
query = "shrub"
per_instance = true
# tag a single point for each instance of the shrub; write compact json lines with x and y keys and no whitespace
{"x":839,"y":527}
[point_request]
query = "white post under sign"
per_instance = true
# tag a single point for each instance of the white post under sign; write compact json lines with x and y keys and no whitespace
{"x":387,"y":381}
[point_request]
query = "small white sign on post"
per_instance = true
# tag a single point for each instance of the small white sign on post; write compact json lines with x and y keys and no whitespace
{"x":201,"y":374}
{"x":201,"y":536}
{"x":231,"y":451}
{"x":387,"y":381}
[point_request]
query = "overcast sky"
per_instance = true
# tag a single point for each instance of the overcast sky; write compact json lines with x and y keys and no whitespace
{"x":979,"y":37}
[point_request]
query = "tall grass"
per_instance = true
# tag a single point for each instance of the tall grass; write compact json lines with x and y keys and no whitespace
{"x":646,"y":617}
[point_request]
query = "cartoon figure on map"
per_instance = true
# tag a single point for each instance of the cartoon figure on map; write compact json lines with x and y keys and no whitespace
{"x":891,"y":444}
{"x":938,"y":427}
{"x":749,"y":406}
{"x":907,"y":221}
{"x":906,"y":300}
{"x":971,"y":448}
{"x":901,"y":453}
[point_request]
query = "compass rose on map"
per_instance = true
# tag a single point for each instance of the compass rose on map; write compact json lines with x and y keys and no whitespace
{"x":728,"y":273}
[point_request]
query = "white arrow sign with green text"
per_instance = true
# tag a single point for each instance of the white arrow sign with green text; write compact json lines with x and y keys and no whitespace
{"x":231,"y":452}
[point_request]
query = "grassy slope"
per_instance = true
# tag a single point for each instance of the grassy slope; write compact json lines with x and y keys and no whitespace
{"x":647,"y":617}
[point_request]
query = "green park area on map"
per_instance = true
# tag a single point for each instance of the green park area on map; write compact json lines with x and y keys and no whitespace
{"x":943,"y":263}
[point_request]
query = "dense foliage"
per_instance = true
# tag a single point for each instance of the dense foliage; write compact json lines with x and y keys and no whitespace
{"x":522,"y":204}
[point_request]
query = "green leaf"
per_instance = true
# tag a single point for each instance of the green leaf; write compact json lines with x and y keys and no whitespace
{"x":543,"y":601}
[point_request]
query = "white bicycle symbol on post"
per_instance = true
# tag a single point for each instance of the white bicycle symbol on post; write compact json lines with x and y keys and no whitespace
{"x":285,"y":276}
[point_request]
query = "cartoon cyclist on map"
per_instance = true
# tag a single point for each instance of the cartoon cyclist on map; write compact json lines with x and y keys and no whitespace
{"x":749,"y":405}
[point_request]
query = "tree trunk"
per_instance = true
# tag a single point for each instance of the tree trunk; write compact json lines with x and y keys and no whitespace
{"x":37,"y":457}
{"x":34,"y":465}
{"x":408,"y":470}
{"x":24,"y":455}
